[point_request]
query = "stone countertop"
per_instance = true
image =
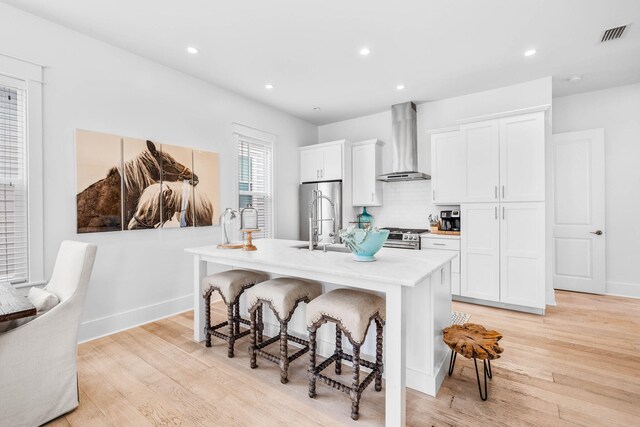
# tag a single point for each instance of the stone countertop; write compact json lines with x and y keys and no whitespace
{"x":392,"y":266}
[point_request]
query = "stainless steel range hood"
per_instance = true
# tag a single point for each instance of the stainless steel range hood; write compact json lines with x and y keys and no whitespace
{"x":404,"y":145}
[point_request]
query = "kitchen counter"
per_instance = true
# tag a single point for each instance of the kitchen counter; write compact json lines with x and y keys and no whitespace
{"x":417,"y":290}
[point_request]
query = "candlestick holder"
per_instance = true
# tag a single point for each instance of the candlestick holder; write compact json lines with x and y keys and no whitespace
{"x":249,"y":246}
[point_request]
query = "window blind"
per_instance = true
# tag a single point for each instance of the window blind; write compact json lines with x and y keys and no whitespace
{"x":255,"y":181}
{"x":14,"y":254}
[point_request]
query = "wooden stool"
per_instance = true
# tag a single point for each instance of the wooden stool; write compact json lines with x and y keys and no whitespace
{"x":473,"y":342}
{"x":230,"y":284}
{"x":352,"y":312}
{"x":282,"y":295}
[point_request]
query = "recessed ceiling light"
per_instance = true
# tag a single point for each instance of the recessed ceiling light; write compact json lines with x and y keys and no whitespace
{"x":365,"y":51}
{"x":192,"y":50}
{"x":316,"y":108}
{"x":574,"y":79}
{"x":268,"y":86}
{"x":400,"y":87}
{"x":530,"y":52}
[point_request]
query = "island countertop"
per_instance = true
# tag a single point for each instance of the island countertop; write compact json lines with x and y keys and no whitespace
{"x":392,"y":266}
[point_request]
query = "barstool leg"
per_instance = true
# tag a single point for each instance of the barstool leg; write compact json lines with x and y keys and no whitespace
{"x":378,"y":383}
{"x":484,"y":364}
{"x":207,"y":318}
{"x":284,"y":353}
{"x":260,"y":324}
{"x":355,"y":384}
{"x":232,"y":336}
{"x":253,"y":326}
{"x":338,"y":350}
{"x":312,"y":362}
{"x":236,"y":317}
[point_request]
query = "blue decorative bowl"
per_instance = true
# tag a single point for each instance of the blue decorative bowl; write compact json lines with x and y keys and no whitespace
{"x":365,"y":244}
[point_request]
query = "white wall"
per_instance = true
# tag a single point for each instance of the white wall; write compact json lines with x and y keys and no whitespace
{"x":407,"y":204}
{"x":617,"y":110}
{"x":142,"y":274}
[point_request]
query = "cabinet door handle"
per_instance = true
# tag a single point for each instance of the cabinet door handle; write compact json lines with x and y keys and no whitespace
{"x":317,"y":173}
{"x":503,"y":191}
{"x":495,"y":192}
{"x":321,"y":173}
{"x":372,"y":194}
{"x":438,"y":244}
{"x":503,"y":212}
{"x":434,"y":194}
{"x":495,"y":211}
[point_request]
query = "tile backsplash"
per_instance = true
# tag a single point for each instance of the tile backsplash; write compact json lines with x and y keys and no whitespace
{"x":405,"y":204}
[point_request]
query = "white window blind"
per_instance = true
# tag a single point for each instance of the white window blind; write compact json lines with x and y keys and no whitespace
{"x":255,"y":181}
{"x":14,"y":253}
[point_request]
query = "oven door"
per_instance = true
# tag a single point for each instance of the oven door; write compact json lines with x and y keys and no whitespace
{"x":402,"y":244}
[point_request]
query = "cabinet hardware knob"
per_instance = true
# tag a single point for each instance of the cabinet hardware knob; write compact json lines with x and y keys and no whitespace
{"x":597,"y":232}
{"x":503,"y":212}
{"x":503,"y":191}
{"x":495,"y":211}
{"x":495,"y":192}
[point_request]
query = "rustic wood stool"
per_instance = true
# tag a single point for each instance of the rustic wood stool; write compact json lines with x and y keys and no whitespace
{"x":352,"y":312}
{"x":282,"y":295}
{"x":230,"y":284}
{"x":473,"y":342}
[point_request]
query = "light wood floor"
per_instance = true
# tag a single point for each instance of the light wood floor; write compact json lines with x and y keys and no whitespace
{"x":578,"y":365}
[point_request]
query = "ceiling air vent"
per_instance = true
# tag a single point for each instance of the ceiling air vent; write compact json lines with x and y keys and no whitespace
{"x":613,"y":33}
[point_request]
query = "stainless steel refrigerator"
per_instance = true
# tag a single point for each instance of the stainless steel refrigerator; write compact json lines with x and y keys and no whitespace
{"x":323,"y":210}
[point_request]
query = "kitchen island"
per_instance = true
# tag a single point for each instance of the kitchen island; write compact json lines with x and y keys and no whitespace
{"x":416,"y":286}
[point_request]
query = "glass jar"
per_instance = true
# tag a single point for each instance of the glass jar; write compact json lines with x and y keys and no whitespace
{"x":249,"y":218}
{"x":230,"y":227}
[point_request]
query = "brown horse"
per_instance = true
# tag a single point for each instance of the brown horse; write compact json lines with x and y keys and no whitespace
{"x":197,"y":210}
{"x":100,"y":205}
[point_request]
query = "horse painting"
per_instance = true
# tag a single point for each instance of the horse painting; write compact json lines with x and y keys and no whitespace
{"x":99,"y":206}
{"x":160,"y":203}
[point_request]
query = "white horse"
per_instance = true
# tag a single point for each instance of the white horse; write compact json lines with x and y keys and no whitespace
{"x":160,"y":203}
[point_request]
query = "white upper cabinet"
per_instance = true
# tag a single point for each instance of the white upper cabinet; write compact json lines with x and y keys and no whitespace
{"x":522,"y":252}
{"x":331,"y":163}
{"x":366,"y":158}
{"x":482,"y":160}
{"x":321,"y":162}
{"x":448,"y":172}
{"x":522,"y":158}
{"x":500,"y":160}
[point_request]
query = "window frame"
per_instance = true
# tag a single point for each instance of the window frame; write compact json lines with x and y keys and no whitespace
{"x":242,"y":132}
{"x":28,"y":77}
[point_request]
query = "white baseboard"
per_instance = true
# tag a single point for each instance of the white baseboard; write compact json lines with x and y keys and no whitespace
{"x":621,"y":289}
{"x":496,"y":304}
{"x":96,"y":328}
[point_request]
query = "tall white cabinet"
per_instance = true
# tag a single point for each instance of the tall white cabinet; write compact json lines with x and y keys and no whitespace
{"x":366,"y":158}
{"x":495,"y":170}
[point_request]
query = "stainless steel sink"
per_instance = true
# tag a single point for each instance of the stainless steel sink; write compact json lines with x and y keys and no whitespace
{"x":329,"y":248}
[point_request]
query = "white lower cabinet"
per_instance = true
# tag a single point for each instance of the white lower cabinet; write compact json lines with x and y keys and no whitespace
{"x":448,"y":244}
{"x":480,"y":251}
{"x":522,"y":272}
{"x":503,"y":253}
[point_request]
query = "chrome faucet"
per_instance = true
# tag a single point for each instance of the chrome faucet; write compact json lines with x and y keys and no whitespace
{"x":315,"y":224}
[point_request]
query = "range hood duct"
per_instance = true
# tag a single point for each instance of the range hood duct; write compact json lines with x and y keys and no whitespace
{"x":404,"y":145}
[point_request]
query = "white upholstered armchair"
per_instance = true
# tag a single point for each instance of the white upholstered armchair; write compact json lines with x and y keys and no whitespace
{"x":38,"y":377}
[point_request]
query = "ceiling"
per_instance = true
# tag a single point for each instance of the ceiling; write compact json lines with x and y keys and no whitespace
{"x":309,"y":50}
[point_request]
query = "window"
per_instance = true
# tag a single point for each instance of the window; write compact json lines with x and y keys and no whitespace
{"x":255,"y":178}
{"x":21,"y":204}
{"x":14,"y":256}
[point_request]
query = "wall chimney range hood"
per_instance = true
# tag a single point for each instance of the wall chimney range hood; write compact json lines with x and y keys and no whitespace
{"x":404,"y":145}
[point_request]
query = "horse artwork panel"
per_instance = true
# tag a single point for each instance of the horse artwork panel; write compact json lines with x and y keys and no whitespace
{"x":98,"y":182}
{"x":128,"y":183}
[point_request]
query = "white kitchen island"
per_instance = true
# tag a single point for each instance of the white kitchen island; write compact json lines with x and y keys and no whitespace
{"x":416,"y":285}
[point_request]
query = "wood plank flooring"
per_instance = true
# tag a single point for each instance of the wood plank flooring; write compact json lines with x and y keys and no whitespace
{"x":578,"y":365}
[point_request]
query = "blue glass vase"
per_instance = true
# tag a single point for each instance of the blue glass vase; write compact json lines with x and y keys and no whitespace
{"x":365,"y":220}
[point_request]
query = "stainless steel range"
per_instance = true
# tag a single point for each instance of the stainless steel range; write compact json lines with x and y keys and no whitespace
{"x":404,"y":238}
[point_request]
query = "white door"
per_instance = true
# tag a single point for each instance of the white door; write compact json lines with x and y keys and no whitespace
{"x":310,"y":164}
{"x":480,"y":251}
{"x":448,"y":168}
{"x":331,"y":163}
{"x":579,"y":210}
{"x":522,"y":259}
{"x":482,"y":160}
{"x":522,"y":158}
{"x":364,"y":174}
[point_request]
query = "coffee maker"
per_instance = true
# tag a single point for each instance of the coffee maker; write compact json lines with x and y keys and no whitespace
{"x":450,"y":220}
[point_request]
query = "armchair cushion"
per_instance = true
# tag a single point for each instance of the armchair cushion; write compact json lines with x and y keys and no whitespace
{"x":42,"y":299}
